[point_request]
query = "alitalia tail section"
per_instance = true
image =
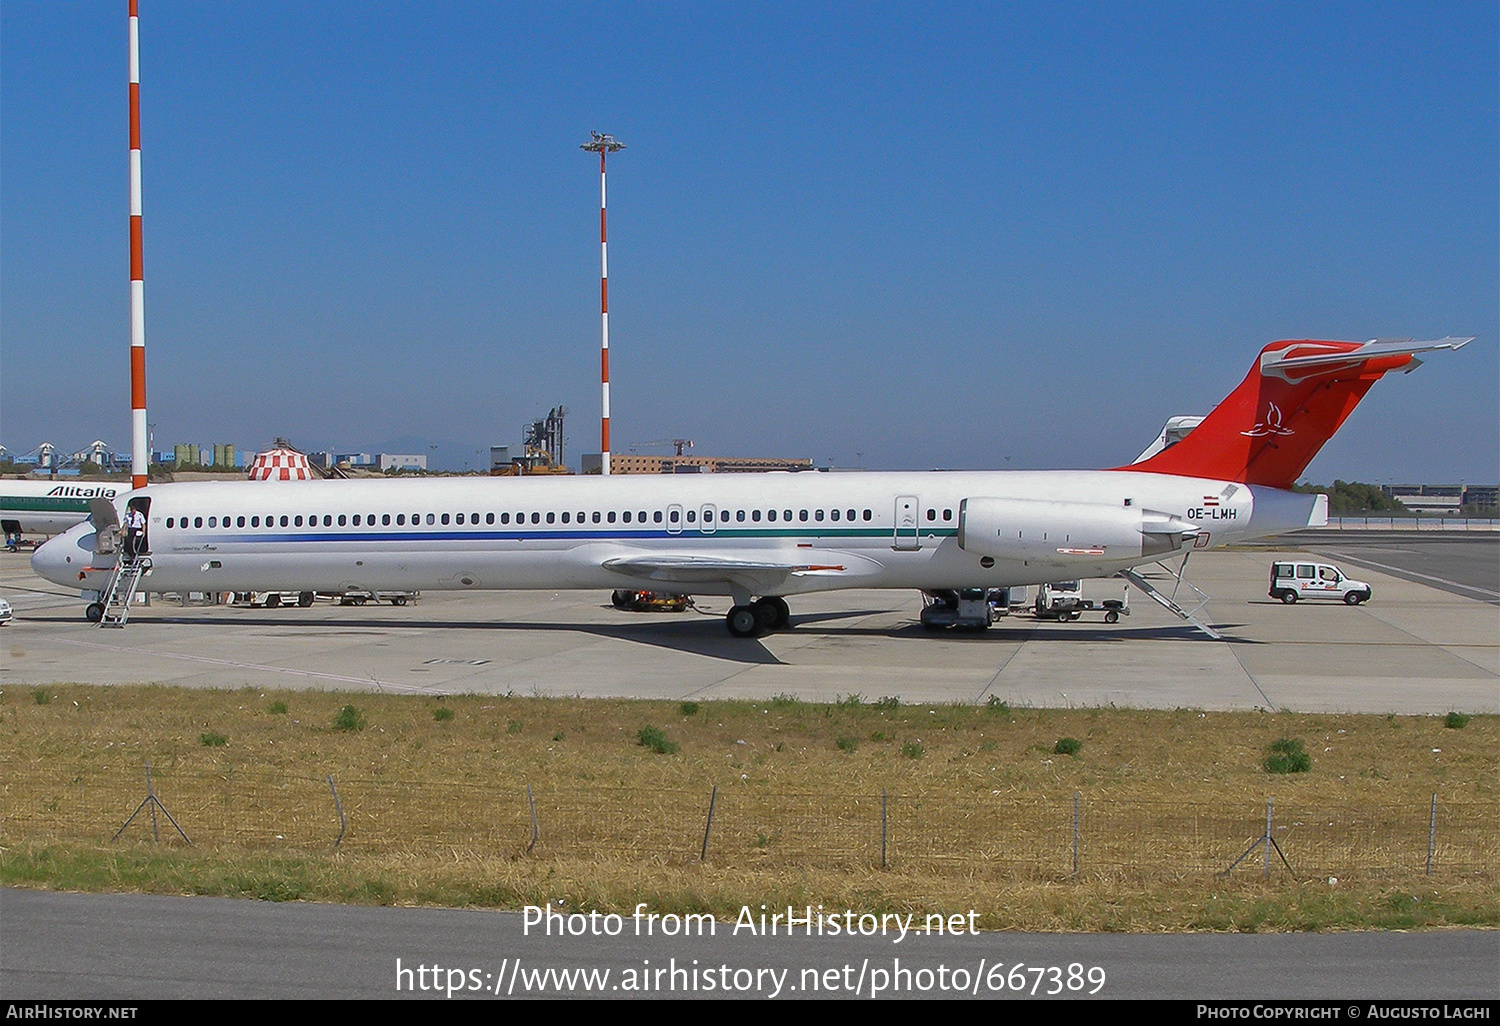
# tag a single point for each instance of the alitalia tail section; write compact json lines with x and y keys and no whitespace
{"x":1295,"y":397}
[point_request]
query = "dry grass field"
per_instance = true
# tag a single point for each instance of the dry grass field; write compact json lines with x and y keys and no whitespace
{"x":866,"y":804}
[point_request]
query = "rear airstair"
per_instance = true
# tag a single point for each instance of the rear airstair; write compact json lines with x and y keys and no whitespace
{"x":1169,"y":602}
{"x":123,"y":584}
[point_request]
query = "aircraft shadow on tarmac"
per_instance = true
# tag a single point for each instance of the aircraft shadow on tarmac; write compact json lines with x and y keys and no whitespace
{"x":701,"y":635}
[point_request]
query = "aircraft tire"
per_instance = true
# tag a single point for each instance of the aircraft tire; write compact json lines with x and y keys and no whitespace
{"x":783,"y":611}
{"x":765,"y":614}
{"x":617,"y":598}
{"x":742,"y":621}
{"x":95,"y":612}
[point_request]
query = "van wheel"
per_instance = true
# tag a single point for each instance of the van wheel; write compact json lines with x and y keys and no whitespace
{"x":1289,"y":597}
{"x":305,"y":599}
{"x":1112,"y":617}
{"x":273,"y":601}
{"x":1354,"y":598}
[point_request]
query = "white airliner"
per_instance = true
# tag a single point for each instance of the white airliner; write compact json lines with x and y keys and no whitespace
{"x":759,"y":538}
{"x":49,"y":507}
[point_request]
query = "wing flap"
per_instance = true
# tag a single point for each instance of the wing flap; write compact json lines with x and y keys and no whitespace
{"x":757,"y":576}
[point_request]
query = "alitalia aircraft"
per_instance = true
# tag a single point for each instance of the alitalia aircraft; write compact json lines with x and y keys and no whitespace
{"x":50,"y":506}
{"x":759,"y":538}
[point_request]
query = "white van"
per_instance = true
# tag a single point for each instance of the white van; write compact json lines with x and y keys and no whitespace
{"x":1293,"y":581}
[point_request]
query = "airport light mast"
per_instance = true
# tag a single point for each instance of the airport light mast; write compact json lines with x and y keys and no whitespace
{"x":602,"y":145}
{"x":140,"y":454}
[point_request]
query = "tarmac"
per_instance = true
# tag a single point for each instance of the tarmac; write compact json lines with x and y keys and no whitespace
{"x":1421,"y":646}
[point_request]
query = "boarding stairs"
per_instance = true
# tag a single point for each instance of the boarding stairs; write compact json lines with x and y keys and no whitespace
{"x":1169,"y":602}
{"x":123,"y":584}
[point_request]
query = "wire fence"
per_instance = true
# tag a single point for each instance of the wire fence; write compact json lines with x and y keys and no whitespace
{"x":999,"y":835}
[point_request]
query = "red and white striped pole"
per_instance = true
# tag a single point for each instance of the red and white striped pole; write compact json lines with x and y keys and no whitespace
{"x":139,"y":455}
{"x":603,"y":144}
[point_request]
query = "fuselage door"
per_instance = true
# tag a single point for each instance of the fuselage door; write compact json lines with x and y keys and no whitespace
{"x":674,"y":519}
{"x":710,"y":521}
{"x":907,"y":533}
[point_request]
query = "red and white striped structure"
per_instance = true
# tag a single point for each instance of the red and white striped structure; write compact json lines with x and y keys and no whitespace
{"x":603,"y":144}
{"x":280,"y":465}
{"x":140,"y":455}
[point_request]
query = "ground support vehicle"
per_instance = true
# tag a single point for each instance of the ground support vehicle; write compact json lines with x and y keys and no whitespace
{"x":359,"y":598}
{"x":1292,"y":581}
{"x":957,"y":607}
{"x":272,"y":599}
{"x":649,"y":601}
{"x":1068,"y":600}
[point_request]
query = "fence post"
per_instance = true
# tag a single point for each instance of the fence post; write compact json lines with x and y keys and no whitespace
{"x":338,"y":805}
{"x":1075,"y":835}
{"x":703,"y":855}
{"x":531,"y":802}
{"x":1431,"y":832}
{"x":1268,"y":839}
{"x":882,"y":828}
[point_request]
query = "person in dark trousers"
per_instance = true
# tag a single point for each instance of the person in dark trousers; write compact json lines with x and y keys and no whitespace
{"x":135,"y":534}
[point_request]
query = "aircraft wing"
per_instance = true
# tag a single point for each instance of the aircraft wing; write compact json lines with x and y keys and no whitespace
{"x":757,"y":577}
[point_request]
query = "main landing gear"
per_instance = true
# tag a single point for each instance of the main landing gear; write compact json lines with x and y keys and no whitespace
{"x":749,"y":619}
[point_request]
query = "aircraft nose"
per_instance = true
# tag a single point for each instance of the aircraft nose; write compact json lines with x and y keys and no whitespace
{"x":63,"y":559}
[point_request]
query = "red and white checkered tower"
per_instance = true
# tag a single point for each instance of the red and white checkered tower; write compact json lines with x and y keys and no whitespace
{"x":140,"y":455}
{"x":603,"y":144}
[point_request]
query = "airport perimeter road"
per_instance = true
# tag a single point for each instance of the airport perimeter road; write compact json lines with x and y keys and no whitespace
{"x":124,"y":946}
{"x":1466,"y":563}
{"x":1418,"y":647}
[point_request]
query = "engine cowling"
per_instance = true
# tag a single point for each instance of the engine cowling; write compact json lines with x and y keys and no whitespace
{"x":1043,"y":530}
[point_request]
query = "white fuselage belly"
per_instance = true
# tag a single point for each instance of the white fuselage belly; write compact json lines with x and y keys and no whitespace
{"x":409,"y":536}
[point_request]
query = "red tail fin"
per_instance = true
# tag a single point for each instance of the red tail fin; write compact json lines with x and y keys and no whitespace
{"x":1294,"y":398}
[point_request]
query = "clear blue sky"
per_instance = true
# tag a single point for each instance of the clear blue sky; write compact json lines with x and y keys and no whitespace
{"x":960,"y":235}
